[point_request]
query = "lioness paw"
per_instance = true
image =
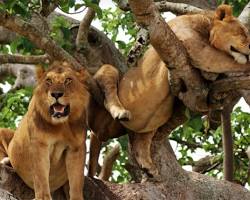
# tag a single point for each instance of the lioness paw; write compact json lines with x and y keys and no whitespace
{"x":120,"y":113}
{"x":5,"y":161}
{"x":239,"y":58}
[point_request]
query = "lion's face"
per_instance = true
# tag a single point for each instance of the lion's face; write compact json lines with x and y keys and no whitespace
{"x":229,"y":35}
{"x":61,"y":94}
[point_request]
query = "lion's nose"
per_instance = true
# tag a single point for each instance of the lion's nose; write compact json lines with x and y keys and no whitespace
{"x":57,"y":94}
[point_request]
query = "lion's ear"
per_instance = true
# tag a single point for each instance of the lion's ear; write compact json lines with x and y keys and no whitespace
{"x":223,"y":12}
{"x":39,"y":72}
{"x":81,"y":74}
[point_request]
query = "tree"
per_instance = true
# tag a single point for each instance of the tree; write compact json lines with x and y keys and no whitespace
{"x":92,"y":49}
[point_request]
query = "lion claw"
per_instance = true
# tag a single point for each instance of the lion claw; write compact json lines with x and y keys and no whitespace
{"x":120,"y":113}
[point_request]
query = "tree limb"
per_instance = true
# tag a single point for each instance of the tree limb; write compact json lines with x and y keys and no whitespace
{"x":244,"y":17}
{"x":42,"y":41}
{"x":108,"y":162}
{"x":82,"y":35}
{"x":206,"y":164}
{"x":9,"y":58}
{"x":48,"y":7}
{"x":227,"y":141}
{"x":174,"y":54}
{"x":142,"y":40}
{"x":190,"y":145}
{"x":177,"y":8}
{"x":229,"y":84}
{"x":25,"y":74}
{"x":165,"y":6}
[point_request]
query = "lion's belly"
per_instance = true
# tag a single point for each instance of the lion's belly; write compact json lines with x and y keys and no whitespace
{"x":18,"y":152}
{"x":145,"y":92}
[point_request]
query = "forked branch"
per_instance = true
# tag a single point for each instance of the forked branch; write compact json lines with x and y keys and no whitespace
{"x":41,"y":40}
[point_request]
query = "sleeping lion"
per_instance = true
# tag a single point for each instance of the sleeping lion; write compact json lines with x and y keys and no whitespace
{"x":143,"y":96}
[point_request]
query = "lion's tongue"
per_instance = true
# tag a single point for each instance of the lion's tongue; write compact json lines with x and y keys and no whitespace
{"x":59,"y":108}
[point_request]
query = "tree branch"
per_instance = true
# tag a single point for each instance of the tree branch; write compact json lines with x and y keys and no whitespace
{"x":244,"y":17}
{"x":190,"y":145}
{"x":108,"y":163}
{"x":206,"y":164}
{"x":25,"y":74}
{"x":177,"y":8}
{"x":48,"y":7}
{"x":229,"y":84}
{"x":82,"y":35}
{"x":42,"y":41}
{"x":165,"y":6}
{"x":173,"y":53}
{"x":45,"y":43}
{"x":8,"y":58}
{"x":142,"y":40}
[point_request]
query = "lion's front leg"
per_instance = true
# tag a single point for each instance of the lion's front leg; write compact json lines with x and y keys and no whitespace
{"x":75,"y":161}
{"x":41,"y":167}
{"x":108,"y":77}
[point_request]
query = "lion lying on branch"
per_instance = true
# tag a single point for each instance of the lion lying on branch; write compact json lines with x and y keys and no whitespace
{"x":143,"y":101}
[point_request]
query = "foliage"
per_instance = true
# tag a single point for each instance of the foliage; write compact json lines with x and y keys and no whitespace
{"x":60,"y":32}
{"x":116,"y":23}
{"x":13,"y":107}
{"x":194,"y":136}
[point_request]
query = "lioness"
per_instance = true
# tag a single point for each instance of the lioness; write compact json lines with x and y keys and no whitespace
{"x":144,"y":90}
{"x":48,"y":147}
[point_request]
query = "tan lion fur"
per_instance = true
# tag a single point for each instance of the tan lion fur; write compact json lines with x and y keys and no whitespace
{"x":144,"y":97}
{"x":47,"y":151}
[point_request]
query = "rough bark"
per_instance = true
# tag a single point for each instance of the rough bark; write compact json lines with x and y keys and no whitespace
{"x":177,"y":7}
{"x":165,"y":6}
{"x":227,"y":140}
{"x":108,"y":162}
{"x":244,"y":17}
{"x":8,"y":58}
{"x":177,"y":184}
{"x":40,"y":39}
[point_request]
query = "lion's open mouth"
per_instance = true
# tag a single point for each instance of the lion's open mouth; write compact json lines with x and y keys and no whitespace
{"x":58,"y":110}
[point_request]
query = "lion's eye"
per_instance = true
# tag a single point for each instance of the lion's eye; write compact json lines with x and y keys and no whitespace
{"x":48,"y":81}
{"x":67,"y":81}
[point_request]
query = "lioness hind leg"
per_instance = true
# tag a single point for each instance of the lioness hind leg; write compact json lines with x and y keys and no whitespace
{"x":5,"y":137}
{"x":108,"y":77}
{"x":141,"y":148}
{"x":95,"y":147}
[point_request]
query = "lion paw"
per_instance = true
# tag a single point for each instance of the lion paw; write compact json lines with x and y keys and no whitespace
{"x":120,"y":113}
{"x":5,"y":161}
{"x":152,"y":176}
{"x":239,"y":58}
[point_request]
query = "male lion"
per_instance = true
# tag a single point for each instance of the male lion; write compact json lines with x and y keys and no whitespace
{"x":48,"y":147}
{"x":143,"y":96}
